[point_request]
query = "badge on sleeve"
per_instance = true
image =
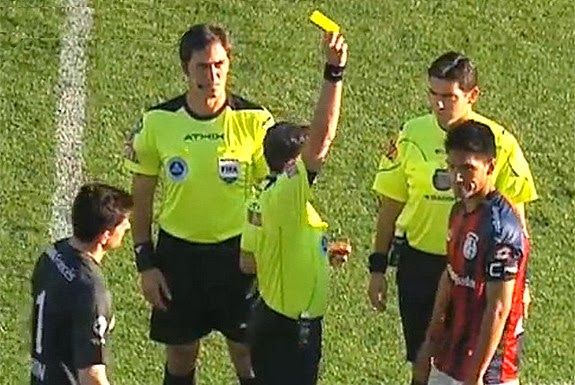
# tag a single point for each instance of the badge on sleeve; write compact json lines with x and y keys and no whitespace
{"x":177,"y":169}
{"x":100,"y":328}
{"x":441,"y":180}
{"x":229,"y":169}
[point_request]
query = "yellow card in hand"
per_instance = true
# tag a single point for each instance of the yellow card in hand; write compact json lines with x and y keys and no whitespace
{"x":323,"y":22}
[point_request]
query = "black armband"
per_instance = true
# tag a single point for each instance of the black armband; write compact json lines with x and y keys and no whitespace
{"x":377,"y":263}
{"x":333,"y":73}
{"x":144,"y":252}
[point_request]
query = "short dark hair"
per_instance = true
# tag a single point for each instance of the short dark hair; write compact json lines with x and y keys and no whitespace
{"x":282,"y":143}
{"x":455,"y":67}
{"x":98,"y":207}
{"x":471,"y":136}
{"x":199,"y":37}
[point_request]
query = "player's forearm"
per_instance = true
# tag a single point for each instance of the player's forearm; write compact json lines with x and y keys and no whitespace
{"x":389,"y":211}
{"x":323,"y":126}
{"x":94,"y":375}
{"x":442,"y":298}
{"x":492,"y":326}
{"x":143,"y":189}
{"x":520,"y":208}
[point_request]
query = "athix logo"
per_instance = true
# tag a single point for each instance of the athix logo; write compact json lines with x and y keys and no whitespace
{"x":202,"y":136}
{"x":459,"y":280}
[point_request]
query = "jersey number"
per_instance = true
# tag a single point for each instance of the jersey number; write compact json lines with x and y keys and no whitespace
{"x":40,"y":301}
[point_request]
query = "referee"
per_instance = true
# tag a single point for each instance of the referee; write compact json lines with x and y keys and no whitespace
{"x":206,"y":147}
{"x":289,"y":245}
{"x":415,"y":195}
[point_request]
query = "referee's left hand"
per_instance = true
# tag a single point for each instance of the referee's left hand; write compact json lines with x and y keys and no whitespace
{"x":335,"y":49}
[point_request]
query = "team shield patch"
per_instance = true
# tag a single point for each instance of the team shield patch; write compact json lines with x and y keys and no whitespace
{"x":177,"y":169}
{"x":470,"y":246}
{"x":229,"y":169}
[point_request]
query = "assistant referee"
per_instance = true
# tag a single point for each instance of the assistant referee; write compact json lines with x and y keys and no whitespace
{"x":289,"y":246}
{"x":416,"y":198}
{"x":206,"y":147}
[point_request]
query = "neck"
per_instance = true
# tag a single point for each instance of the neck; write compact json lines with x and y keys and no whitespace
{"x":472,"y":203}
{"x":92,"y":250}
{"x":462,"y":119}
{"x":205,"y":107}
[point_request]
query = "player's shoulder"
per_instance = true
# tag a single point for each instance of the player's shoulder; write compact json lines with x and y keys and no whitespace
{"x":58,"y":263}
{"x":503,"y":137}
{"x":418,"y":127}
{"x":249,"y":109}
{"x":505,"y":223}
{"x":171,"y":105}
{"x":240,"y":103}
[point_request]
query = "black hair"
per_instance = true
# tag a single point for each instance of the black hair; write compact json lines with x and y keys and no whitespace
{"x":282,"y":143}
{"x":471,"y":136}
{"x":98,"y":207}
{"x":199,"y":37}
{"x":454,"y":67}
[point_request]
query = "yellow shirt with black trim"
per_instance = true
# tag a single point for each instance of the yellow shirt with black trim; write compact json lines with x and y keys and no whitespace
{"x":290,"y":247}
{"x":208,"y":166}
{"x":417,"y":176}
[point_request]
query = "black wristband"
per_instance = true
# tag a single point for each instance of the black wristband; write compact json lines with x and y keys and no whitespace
{"x":333,"y":73}
{"x":144,"y":252}
{"x":377,"y":263}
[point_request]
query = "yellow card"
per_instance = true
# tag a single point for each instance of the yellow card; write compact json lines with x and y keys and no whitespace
{"x":323,"y":22}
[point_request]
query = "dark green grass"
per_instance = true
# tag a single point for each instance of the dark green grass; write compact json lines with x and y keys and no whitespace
{"x":524,"y":53}
{"x":29,"y":33}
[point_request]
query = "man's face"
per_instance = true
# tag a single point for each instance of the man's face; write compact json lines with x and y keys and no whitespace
{"x":449,"y":102}
{"x":113,"y":239}
{"x":207,"y":71}
{"x":469,"y":172}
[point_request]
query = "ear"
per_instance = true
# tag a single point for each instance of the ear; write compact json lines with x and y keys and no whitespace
{"x":491,"y":167}
{"x":473,"y":95}
{"x":105,"y":237}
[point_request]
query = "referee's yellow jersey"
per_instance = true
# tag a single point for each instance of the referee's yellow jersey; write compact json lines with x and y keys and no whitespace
{"x":417,"y":176}
{"x":287,"y":237}
{"x":208,"y":166}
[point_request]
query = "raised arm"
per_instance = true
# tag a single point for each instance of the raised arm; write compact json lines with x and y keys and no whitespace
{"x":326,"y":116}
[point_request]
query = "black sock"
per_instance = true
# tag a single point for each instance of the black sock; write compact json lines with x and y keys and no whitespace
{"x":170,"y":379}
{"x":415,"y":382}
{"x":248,"y":381}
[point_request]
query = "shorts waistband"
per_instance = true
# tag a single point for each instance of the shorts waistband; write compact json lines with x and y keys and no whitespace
{"x":230,"y":242}
{"x":416,"y":253}
{"x":282,"y":317}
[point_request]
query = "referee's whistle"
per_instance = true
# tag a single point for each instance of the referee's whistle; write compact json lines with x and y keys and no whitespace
{"x":440,"y":105}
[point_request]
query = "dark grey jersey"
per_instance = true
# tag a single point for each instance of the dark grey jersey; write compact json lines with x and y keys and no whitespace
{"x":72,"y":316}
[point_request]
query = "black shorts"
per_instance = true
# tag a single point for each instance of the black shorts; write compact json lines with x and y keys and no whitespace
{"x":209,"y":291}
{"x":418,"y":275}
{"x":279,"y":354}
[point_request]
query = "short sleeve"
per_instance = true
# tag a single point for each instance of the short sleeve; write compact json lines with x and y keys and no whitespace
{"x":90,"y":328}
{"x":252,"y":226}
{"x":390,"y":179}
{"x":515,"y":180}
{"x":141,"y":154}
{"x":502,"y":264}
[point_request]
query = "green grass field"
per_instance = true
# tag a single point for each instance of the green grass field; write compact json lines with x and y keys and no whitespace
{"x":524,"y":51}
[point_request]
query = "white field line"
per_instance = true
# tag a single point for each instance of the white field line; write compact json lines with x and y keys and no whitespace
{"x":70,"y":114}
